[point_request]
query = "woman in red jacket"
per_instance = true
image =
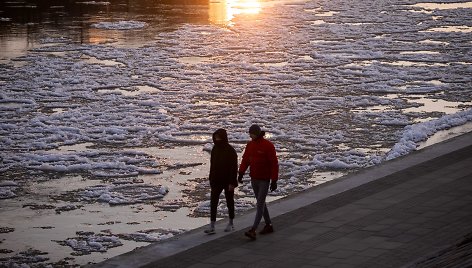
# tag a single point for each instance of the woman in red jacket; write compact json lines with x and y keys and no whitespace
{"x":261,"y":157}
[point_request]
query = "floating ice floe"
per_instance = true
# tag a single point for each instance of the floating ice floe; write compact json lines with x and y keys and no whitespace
{"x":4,"y":230}
{"x":8,"y":184}
{"x":352,"y":159}
{"x":143,"y":237}
{"x":88,"y":242}
{"x":413,"y":134}
{"x":97,"y":163}
{"x":7,"y":189}
{"x":26,"y":259}
{"x":171,"y":205}
{"x":203,"y":208}
{"x":123,"y":194}
{"x":100,"y":3}
{"x":69,"y":207}
{"x":151,"y":235}
{"x":120,"y":25}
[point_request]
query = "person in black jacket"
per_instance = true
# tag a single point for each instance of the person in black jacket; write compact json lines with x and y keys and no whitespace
{"x":223,"y":176}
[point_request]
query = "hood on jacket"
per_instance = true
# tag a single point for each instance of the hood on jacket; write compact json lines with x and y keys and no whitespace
{"x":262,"y":134}
{"x":221,"y":133}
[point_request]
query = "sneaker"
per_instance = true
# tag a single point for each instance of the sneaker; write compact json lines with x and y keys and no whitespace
{"x":210,"y":230}
{"x":229,"y":228}
{"x":267,"y":229}
{"x":251,"y":234}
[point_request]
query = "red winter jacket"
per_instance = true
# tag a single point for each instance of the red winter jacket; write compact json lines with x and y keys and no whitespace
{"x":260,"y":155}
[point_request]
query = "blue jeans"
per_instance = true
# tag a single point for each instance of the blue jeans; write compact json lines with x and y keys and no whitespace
{"x":261,"y":188}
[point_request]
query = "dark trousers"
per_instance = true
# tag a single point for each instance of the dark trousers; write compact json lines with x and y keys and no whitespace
{"x":215,"y":199}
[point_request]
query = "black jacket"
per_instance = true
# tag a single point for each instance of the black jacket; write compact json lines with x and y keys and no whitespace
{"x":223,"y":162}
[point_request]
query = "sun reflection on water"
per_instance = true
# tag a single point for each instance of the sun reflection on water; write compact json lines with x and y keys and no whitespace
{"x":223,"y":12}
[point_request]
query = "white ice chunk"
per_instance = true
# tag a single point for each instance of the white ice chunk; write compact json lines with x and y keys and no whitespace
{"x":413,"y":134}
{"x":120,"y":25}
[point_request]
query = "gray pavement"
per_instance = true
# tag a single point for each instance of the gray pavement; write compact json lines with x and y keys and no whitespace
{"x":407,"y":212}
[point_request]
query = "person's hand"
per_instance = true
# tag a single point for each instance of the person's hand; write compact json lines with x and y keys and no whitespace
{"x":273,"y":186}
{"x":240,"y":177}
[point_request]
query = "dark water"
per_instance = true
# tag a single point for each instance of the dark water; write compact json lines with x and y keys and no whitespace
{"x":24,"y":23}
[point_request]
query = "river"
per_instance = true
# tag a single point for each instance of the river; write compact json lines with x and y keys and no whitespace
{"x":107,"y":107}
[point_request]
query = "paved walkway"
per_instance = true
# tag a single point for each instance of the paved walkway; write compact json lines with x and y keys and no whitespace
{"x":398,"y":214}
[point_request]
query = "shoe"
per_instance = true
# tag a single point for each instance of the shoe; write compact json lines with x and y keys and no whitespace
{"x":229,"y":228}
{"x":267,"y":229}
{"x":251,"y":234}
{"x":210,"y":231}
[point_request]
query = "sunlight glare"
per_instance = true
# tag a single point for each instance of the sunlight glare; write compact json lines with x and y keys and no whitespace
{"x":244,"y":7}
{"x":223,"y":12}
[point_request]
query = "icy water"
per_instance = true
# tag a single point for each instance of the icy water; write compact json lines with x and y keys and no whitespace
{"x":107,"y":107}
